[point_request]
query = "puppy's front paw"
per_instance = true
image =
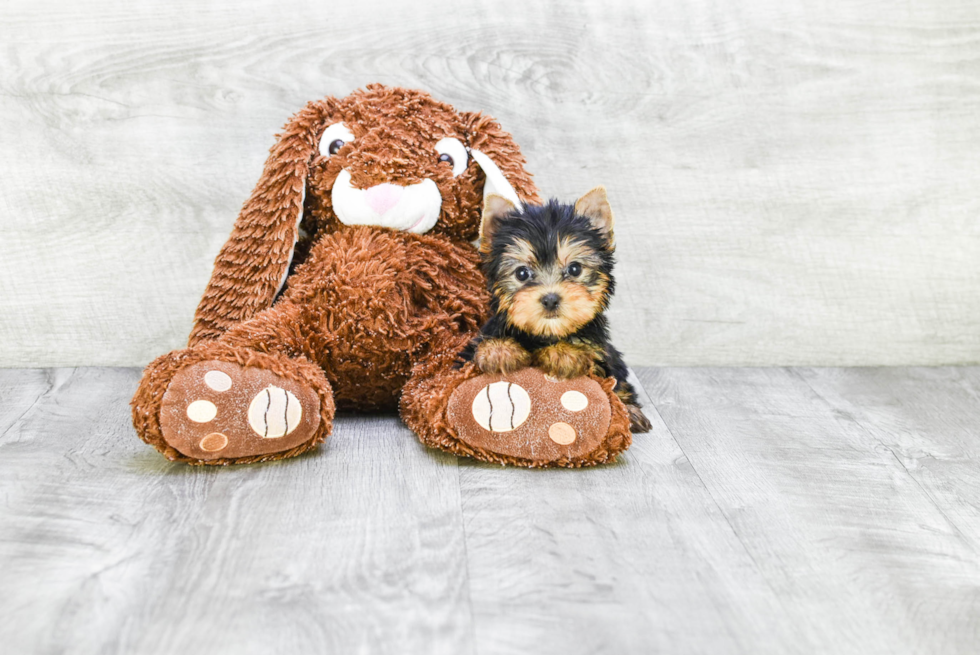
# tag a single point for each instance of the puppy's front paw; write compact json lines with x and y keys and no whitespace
{"x":501,"y":356}
{"x":564,"y":360}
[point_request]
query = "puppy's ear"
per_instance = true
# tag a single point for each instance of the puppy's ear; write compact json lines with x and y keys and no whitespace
{"x":594,"y":206}
{"x":251,"y":267}
{"x":495,"y":208}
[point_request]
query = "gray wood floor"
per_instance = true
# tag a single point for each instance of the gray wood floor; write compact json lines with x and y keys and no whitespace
{"x":770,"y":511}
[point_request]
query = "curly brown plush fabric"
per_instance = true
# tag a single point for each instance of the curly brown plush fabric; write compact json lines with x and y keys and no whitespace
{"x":395,"y":130}
{"x":361,"y":316}
{"x":424,"y":406}
{"x":367,"y":305}
{"x":157,"y":376}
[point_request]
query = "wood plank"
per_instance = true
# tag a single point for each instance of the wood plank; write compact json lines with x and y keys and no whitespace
{"x":20,"y":389}
{"x":854,"y":546}
{"x":107,"y":547}
{"x":634,"y":557}
{"x":793,"y":183}
{"x":927,"y":419}
{"x":775,"y":511}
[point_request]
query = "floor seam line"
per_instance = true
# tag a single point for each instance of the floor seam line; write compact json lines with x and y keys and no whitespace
{"x":714,"y":500}
{"x":466,"y":558}
{"x":27,"y":411}
{"x":860,"y":425}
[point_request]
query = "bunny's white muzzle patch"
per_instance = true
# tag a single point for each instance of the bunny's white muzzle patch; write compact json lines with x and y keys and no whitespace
{"x":413,"y":208}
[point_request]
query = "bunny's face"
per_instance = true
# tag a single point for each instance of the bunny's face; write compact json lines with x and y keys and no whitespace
{"x":398,"y":159}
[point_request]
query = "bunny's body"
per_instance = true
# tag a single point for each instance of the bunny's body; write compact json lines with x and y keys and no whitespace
{"x":367,"y":305}
{"x":349,"y":281}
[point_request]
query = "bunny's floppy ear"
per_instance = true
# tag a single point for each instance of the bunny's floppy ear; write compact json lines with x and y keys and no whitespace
{"x":496,"y":184}
{"x":500,"y":160}
{"x":252,"y":266}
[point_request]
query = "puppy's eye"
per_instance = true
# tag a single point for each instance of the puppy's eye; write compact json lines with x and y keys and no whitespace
{"x":452,"y":152}
{"x":574,"y":269}
{"x":523,"y":274}
{"x":334,"y":138}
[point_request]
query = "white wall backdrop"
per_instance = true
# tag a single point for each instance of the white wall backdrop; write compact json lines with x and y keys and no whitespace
{"x":794,"y":182}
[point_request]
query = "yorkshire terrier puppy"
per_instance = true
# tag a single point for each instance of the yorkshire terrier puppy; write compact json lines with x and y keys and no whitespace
{"x":549,"y":271}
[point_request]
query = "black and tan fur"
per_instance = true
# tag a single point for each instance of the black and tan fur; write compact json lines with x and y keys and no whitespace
{"x":549,"y":272}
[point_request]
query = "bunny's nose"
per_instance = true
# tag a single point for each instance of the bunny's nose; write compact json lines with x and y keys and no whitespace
{"x":383,"y":197}
{"x":551,"y":301}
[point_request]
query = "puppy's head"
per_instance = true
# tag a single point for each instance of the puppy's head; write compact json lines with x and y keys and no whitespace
{"x":549,"y":267}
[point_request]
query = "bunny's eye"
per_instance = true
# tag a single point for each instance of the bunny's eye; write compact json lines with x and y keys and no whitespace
{"x":452,"y":152}
{"x":334,"y":138}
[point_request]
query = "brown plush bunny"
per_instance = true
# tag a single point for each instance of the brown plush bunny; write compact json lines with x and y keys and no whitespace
{"x":350,"y":281}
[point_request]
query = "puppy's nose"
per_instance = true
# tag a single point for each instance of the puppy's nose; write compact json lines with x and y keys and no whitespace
{"x":551,"y":301}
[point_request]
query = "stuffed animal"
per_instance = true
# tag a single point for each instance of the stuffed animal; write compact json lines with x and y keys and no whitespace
{"x":350,"y":281}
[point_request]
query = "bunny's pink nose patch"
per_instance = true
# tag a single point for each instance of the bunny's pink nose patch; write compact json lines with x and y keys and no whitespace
{"x":383,"y":197}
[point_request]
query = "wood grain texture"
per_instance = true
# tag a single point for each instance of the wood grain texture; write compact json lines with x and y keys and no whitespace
{"x":813,"y":470}
{"x":769,"y":511}
{"x":107,"y":547}
{"x":793,"y":184}
{"x":635,"y":557}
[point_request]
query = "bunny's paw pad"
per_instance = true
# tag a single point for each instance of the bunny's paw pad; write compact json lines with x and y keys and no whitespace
{"x":531,"y":416}
{"x":216,"y":410}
